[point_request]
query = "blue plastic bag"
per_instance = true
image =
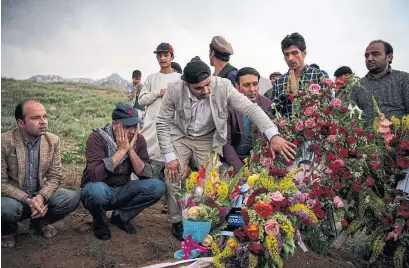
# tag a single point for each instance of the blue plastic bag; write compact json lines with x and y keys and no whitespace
{"x":198,"y":230}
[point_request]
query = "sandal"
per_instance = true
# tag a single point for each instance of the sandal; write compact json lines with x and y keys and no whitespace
{"x":8,"y":241}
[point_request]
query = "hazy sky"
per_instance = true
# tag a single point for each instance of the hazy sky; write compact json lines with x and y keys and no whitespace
{"x":94,"y":38}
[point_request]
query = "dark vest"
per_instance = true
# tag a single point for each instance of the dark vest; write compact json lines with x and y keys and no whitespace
{"x":226,"y":70}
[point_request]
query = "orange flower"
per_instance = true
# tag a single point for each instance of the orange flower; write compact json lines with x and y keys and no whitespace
{"x":252,"y":231}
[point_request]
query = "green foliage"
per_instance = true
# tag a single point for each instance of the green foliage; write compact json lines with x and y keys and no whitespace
{"x":73,"y":110}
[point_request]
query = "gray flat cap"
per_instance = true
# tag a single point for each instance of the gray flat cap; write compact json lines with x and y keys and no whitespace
{"x":220,"y":44}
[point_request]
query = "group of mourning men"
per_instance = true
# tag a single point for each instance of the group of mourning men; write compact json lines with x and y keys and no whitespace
{"x":187,"y":116}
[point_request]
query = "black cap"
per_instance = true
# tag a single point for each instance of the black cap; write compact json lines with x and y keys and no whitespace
{"x":196,"y":72}
{"x":176,"y":67}
{"x":126,"y":114}
{"x":164,"y":47}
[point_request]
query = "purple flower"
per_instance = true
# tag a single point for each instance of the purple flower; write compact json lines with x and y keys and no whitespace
{"x":302,"y":187}
{"x":242,"y":181}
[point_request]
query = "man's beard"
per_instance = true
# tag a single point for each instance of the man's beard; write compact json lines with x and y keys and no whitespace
{"x":203,"y":96}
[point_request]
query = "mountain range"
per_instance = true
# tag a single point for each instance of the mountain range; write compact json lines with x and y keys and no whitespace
{"x":114,"y":80}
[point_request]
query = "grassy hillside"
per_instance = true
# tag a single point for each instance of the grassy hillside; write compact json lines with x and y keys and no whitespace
{"x":73,"y":110}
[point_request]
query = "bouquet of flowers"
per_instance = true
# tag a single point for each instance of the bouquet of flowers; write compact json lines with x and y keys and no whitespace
{"x":272,"y":210}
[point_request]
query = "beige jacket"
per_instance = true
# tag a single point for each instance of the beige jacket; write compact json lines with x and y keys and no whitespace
{"x":13,"y":165}
{"x":223,"y":95}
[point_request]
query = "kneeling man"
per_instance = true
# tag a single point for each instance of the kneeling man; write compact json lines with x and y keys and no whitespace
{"x":113,"y":153}
{"x":30,"y":175}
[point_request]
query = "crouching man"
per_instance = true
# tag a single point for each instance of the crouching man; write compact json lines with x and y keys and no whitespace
{"x":30,"y":176}
{"x":112,"y":154}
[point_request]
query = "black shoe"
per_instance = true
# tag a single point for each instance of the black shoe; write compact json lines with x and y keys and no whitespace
{"x":101,"y":231}
{"x":124,"y":226}
{"x":177,"y":230}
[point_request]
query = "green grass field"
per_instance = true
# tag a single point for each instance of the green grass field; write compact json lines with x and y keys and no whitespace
{"x":73,"y":109}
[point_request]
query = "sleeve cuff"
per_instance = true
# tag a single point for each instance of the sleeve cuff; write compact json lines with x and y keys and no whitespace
{"x":109,"y":164}
{"x":170,"y":157}
{"x":271,"y":132}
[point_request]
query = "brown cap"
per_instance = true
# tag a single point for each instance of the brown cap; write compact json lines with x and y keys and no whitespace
{"x":221,"y":45}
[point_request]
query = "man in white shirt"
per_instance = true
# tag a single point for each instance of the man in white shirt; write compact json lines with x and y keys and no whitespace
{"x":151,"y":95}
{"x":192,"y":122}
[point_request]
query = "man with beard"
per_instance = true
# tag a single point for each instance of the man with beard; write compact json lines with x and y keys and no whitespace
{"x":30,"y":176}
{"x":112,"y":154}
{"x":219,"y":55}
{"x":238,"y":144}
{"x":389,"y":87}
{"x":192,"y":122}
{"x":290,"y":84}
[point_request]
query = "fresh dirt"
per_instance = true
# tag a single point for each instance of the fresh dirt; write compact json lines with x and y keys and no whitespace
{"x":76,"y":246}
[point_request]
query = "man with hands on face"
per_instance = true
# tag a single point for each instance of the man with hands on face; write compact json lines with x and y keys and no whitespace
{"x":112,"y":154}
{"x":31,"y":174}
{"x":192,"y":122}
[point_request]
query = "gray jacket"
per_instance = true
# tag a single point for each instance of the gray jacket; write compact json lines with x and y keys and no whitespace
{"x":223,"y":95}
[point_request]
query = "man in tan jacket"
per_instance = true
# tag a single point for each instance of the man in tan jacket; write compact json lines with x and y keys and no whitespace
{"x":30,"y":175}
{"x":192,"y":122}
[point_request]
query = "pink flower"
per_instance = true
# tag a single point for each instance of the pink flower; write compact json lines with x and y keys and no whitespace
{"x":282,"y":123}
{"x":328,"y":82}
{"x":272,"y":227}
{"x":267,"y":161}
{"x":335,"y":102}
{"x":339,"y":163}
{"x":314,"y":88}
{"x":309,"y":111}
{"x":276,"y":196}
{"x":388,"y":137}
{"x":384,"y":126}
{"x":310,"y":123}
{"x":299,"y":126}
{"x":338,"y":202}
{"x":332,"y":138}
{"x":311,"y":203}
{"x":391,"y":235}
{"x":327,"y":170}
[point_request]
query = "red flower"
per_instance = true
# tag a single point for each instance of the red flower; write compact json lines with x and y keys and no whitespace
{"x":371,"y":136}
{"x":291,"y":97}
{"x":333,"y":130}
{"x":252,"y":231}
{"x":240,"y":235}
{"x":316,"y":116}
{"x":404,"y":210}
{"x":351,"y":139}
{"x":344,"y":109}
{"x":255,"y":158}
{"x":289,"y":163}
{"x":346,"y":175}
{"x":387,"y":219}
{"x":319,"y":213}
{"x":235,"y":193}
{"x":339,"y":82}
{"x":359,"y":132}
{"x":245,"y":215}
{"x":354,"y":124}
{"x":376,"y":165}
{"x":330,"y":157}
{"x":256,"y":249}
{"x":263,"y":210}
{"x":370,"y":182}
{"x":343,"y":152}
{"x":357,"y":186}
{"x":403,"y":163}
{"x":343,"y":130}
{"x":344,"y":223}
{"x":337,"y":164}
{"x":308,"y":132}
{"x":338,"y":186}
{"x":405,"y":144}
{"x":373,"y":156}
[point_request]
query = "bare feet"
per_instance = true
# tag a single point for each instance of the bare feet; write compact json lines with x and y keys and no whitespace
{"x":8,"y":241}
{"x":48,"y":231}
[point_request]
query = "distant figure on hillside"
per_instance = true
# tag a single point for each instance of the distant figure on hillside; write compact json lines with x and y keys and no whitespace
{"x":153,"y":90}
{"x":134,"y":90}
{"x":30,"y":176}
{"x":219,"y":54}
{"x":113,"y":153}
{"x":274,"y":76}
{"x":176,"y":67}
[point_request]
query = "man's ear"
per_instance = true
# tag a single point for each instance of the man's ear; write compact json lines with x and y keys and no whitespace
{"x":20,"y":123}
{"x":389,"y":57}
{"x":304,"y":53}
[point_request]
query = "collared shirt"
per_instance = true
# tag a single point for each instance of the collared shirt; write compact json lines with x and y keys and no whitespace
{"x":278,"y":92}
{"x":390,"y":91}
{"x":201,"y":121}
{"x":32,"y":149}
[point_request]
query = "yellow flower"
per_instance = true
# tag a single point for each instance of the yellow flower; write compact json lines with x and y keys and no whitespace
{"x":376,"y":124}
{"x":252,"y":179}
{"x":213,"y":176}
{"x":272,"y":246}
{"x":405,"y":122}
{"x":395,"y":121}
{"x":297,"y":207}
{"x":191,"y":182}
{"x":208,"y":188}
{"x":222,"y":191}
{"x":232,"y":242}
